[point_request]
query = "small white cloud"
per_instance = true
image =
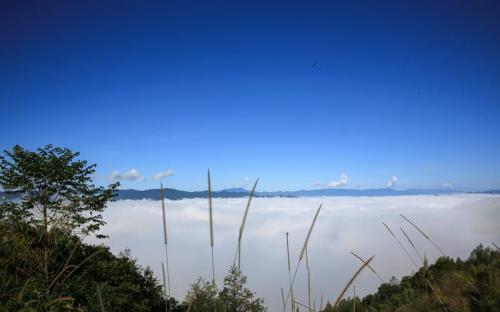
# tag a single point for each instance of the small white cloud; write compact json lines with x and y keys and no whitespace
{"x":342,"y":181}
{"x":115,"y":175}
{"x":131,"y":175}
{"x":164,"y":174}
{"x":392,"y":181}
{"x":448,"y":185}
{"x":244,"y":183}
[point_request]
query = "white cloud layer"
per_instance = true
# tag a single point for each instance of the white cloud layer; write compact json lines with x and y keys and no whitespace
{"x":131,"y":175}
{"x":342,"y":181}
{"x":392,"y":181}
{"x":345,"y":224}
{"x":164,"y":174}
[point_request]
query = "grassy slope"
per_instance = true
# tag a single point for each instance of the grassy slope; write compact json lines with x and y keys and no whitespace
{"x":471,"y":285}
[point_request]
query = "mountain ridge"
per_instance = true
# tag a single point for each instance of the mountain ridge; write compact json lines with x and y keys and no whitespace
{"x":175,"y":194}
{"x":240,"y":192}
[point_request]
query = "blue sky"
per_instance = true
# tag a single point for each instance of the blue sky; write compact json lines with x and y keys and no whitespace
{"x":295,"y":93}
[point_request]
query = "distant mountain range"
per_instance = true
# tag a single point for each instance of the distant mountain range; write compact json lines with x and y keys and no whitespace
{"x":174,"y":194}
{"x":241,"y":192}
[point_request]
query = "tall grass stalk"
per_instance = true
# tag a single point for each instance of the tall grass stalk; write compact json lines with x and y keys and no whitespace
{"x":351,"y":281}
{"x":412,"y":245}
{"x":75,"y":268}
{"x":283,"y":298}
{"x":301,"y":304}
{"x":423,"y":234}
{"x":211,"y":225}
{"x":495,"y":246}
{"x":164,"y":286}
{"x":21,"y":293}
{"x":64,"y":268}
{"x":303,"y":252}
{"x":309,"y":232}
{"x":401,"y":245}
{"x":308,"y":281}
{"x":242,"y":226}
{"x":369,"y":266}
{"x":60,"y":299}
{"x":353,"y":298}
{"x":99,"y":296}
{"x":165,"y":237}
{"x":436,"y":294}
{"x":289,"y":274}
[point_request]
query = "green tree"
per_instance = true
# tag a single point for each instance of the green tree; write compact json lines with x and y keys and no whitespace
{"x":202,"y":296}
{"x":235,"y":297}
{"x":55,"y":189}
{"x":44,"y":265}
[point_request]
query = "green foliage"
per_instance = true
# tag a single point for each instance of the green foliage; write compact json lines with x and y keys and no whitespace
{"x":44,"y":266}
{"x":202,"y":296}
{"x":472,"y":285}
{"x":56,"y":189}
{"x":75,"y":272}
{"x":233,"y":297}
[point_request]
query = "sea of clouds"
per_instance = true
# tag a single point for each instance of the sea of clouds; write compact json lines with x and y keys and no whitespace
{"x":457,"y":223}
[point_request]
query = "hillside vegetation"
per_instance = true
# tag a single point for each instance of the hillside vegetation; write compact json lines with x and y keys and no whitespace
{"x":446,"y":285}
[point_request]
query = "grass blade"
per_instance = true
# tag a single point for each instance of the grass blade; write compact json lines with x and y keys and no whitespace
{"x":164,"y":286}
{"x":401,"y":245}
{"x":309,"y":233}
{"x":308,"y":281}
{"x":436,"y":294}
{"x":163,"y":214}
{"x":303,"y":251}
{"x":301,"y":304}
{"x":60,"y":299}
{"x":211,"y":225}
{"x":165,"y":235}
{"x":412,"y":245}
{"x":495,"y":246}
{"x":425,"y":235}
{"x":354,"y":298}
{"x":242,"y":226}
{"x":351,"y":281}
{"x":81,"y":263}
{"x":99,"y":296}
{"x":369,"y":266}
{"x":289,"y":273}
{"x":283,"y":298}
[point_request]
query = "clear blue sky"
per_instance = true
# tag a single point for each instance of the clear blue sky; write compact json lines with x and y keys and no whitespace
{"x":296,"y":93}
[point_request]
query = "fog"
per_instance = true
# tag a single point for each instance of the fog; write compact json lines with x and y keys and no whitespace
{"x":457,"y":223}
